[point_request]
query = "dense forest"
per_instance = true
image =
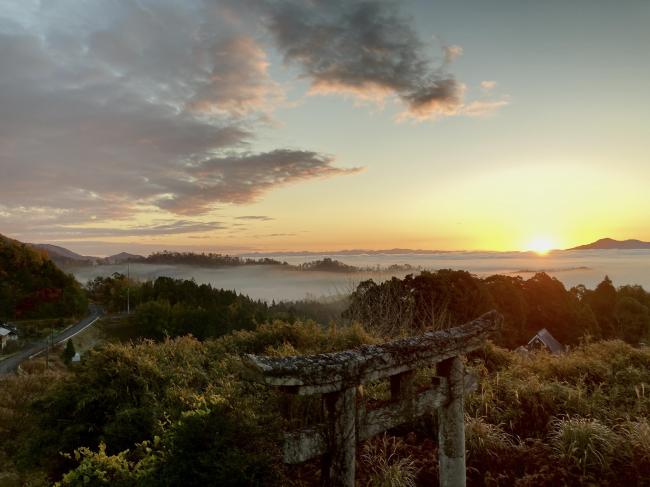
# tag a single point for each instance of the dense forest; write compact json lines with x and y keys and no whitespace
{"x":170,"y":307}
{"x":447,"y":297}
{"x":31,"y":286}
{"x":429,"y":300}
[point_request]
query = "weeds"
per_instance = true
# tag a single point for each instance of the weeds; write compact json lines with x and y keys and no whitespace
{"x":585,"y":443}
{"x":386,"y":467}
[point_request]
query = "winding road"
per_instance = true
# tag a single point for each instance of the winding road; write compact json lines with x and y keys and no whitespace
{"x":10,"y":364}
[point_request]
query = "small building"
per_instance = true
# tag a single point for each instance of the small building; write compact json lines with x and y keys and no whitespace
{"x":76,"y":358}
{"x":7,"y":334}
{"x":543,"y":340}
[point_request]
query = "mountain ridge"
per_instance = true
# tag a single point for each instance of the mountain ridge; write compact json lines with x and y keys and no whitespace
{"x":612,"y":244}
{"x":66,"y":257}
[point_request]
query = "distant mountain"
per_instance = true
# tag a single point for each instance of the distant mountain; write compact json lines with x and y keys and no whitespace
{"x":62,"y":256}
{"x":67,"y":258}
{"x":121,"y":258}
{"x":610,"y":243}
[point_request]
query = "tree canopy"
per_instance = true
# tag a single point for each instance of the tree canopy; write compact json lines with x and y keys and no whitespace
{"x":32,"y":286}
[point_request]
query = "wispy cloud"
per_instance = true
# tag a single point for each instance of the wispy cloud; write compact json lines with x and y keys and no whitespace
{"x":242,"y":178}
{"x":171,"y":228}
{"x":488,"y":85}
{"x":452,"y":53}
{"x":262,"y":218}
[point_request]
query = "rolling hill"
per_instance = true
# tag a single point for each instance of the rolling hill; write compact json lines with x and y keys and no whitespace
{"x":610,"y":243}
{"x":62,"y":256}
{"x":32,"y":286}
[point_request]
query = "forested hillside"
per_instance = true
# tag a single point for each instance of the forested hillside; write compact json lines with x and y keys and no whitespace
{"x":31,"y":286}
{"x":449,"y":297}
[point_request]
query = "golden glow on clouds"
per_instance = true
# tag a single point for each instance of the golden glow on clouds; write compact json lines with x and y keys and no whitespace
{"x":529,"y":207}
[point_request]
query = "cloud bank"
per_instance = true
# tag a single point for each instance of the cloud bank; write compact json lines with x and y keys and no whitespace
{"x":109,"y":110}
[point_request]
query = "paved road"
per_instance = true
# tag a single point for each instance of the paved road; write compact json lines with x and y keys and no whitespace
{"x":10,"y":364}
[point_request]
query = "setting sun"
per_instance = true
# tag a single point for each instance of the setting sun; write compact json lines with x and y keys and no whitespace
{"x":541,"y":246}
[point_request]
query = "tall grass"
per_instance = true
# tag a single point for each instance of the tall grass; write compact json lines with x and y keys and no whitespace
{"x":583,"y":442}
{"x":386,"y":467}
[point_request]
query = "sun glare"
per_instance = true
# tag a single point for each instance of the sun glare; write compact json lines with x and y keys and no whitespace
{"x":541,"y":246}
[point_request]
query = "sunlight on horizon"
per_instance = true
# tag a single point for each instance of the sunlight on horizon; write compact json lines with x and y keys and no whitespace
{"x":541,"y":245}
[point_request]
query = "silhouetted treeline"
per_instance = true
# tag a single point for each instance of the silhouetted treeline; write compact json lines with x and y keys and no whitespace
{"x":31,"y":286}
{"x":205,"y":260}
{"x":326,"y":264}
{"x":447,"y":297}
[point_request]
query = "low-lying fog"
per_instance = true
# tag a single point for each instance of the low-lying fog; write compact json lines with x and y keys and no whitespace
{"x":271,"y":282}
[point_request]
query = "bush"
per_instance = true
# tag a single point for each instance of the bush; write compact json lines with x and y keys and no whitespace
{"x":212,"y":427}
{"x":68,"y":352}
{"x":586,"y":443}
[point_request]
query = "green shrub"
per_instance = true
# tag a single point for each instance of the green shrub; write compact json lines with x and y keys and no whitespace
{"x":586,"y":443}
{"x":98,"y":468}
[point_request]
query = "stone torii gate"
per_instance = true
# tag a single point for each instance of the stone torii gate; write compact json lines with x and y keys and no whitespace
{"x":339,"y":377}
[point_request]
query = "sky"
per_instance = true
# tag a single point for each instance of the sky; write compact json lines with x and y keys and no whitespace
{"x":288,"y":125}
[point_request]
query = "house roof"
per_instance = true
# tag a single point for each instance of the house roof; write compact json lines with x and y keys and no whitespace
{"x":6,"y":331}
{"x":548,"y":340}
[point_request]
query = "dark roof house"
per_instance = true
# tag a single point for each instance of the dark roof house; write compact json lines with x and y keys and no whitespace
{"x":7,"y":333}
{"x":543,"y":340}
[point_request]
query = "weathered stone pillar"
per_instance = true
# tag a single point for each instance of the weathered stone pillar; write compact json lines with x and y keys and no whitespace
{"x":451,"y":426}
{"x":340,"y":461}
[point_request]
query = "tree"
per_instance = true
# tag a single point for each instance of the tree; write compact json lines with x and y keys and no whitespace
{"x":603,"y":303}
{"x":633,"y":319}
{"x":69,"y":352}
{"x":551,"y":306}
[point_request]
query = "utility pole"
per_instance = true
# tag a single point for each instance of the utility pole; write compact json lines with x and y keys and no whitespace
{"x":49,"y":341}
{"x":47,"y":352}
{"x":128,"y":288}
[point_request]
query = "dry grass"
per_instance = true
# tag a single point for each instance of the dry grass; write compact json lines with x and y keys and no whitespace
{"x":385,"y":465}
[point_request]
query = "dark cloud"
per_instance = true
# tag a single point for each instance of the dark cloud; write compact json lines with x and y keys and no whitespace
{"x":243,"y":178}
{"x":366,"y":48}
{"x":169,"y":228}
